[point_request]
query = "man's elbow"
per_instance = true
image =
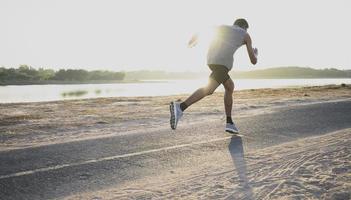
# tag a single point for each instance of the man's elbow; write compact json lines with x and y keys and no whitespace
{"x":254,"y":61}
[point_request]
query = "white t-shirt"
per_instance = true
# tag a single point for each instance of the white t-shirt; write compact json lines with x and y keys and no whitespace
{"x":226,"y":41}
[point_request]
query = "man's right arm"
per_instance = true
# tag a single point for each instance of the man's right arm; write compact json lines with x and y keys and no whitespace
{"x":193,"y":41}
{"x":251,"y":51}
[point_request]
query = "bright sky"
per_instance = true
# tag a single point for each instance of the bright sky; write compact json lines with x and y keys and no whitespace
{"x":153,"y":34}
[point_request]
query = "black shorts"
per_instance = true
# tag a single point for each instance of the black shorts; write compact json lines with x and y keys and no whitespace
{"x":219,"y":73}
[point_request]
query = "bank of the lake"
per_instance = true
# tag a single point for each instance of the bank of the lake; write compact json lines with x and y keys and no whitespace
{"x":32,"y":124}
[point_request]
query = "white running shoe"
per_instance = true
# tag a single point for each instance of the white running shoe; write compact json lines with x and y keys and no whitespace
{"x":176,"y":114}
{"x":231,"y":128}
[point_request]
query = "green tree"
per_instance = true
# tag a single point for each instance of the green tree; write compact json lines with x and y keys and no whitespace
{"x":45,"y":74}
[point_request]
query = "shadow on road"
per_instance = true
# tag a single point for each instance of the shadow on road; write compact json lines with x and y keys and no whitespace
{"x":237,"y":153}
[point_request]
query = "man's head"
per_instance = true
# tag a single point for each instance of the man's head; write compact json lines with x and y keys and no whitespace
{"x":242,"y":23}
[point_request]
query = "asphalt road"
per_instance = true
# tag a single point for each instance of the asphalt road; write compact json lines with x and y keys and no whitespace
{"x":59,"y":170}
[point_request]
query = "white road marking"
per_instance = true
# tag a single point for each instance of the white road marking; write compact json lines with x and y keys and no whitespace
{"x":46,"y":169}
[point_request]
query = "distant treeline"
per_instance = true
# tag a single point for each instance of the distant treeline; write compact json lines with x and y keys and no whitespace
{"x":293,"y":72}
{"x":26,"y":74}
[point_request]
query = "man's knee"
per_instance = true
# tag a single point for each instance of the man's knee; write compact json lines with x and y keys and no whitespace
{"x":208,"y":91}
{"x":229,"y":87}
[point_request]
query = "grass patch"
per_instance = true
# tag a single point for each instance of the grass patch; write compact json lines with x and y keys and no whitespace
{"x":16,"y":119}
{"x":76,"y":93}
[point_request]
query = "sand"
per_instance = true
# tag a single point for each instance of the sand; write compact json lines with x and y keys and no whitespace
{"x":25,"y":125}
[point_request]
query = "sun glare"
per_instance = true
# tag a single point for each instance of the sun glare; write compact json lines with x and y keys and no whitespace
{"x":206,"y":35}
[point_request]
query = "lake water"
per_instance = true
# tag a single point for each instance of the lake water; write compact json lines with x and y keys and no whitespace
{"x":37,"y":93}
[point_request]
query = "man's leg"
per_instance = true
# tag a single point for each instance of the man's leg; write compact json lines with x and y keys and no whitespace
{"x":228,"y":104}
{"x":177,"y":108}
{"x":200,"y":93}
{"x":228,"y":98}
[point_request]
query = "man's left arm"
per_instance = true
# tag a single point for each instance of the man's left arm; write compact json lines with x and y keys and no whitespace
{"x":253,"y":52}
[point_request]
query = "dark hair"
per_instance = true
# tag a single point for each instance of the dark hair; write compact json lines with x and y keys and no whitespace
{"x":241,"y":23}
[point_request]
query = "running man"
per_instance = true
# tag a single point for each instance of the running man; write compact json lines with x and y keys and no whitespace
{"x":220,"y":61}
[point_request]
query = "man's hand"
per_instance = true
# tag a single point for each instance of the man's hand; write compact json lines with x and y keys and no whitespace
{"x":193,"y":41}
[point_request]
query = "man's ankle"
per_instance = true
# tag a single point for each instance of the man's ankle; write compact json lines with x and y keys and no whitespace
{"x":229,"y":120}
{"x":183,"y":106}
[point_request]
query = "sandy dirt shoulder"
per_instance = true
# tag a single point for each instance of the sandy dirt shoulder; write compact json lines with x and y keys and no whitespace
{"x":310,"y":168}
{"x":33,"y":124}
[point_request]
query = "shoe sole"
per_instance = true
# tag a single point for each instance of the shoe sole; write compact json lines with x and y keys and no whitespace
{"x":172,"y":121}
{"x":231,"y":131}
